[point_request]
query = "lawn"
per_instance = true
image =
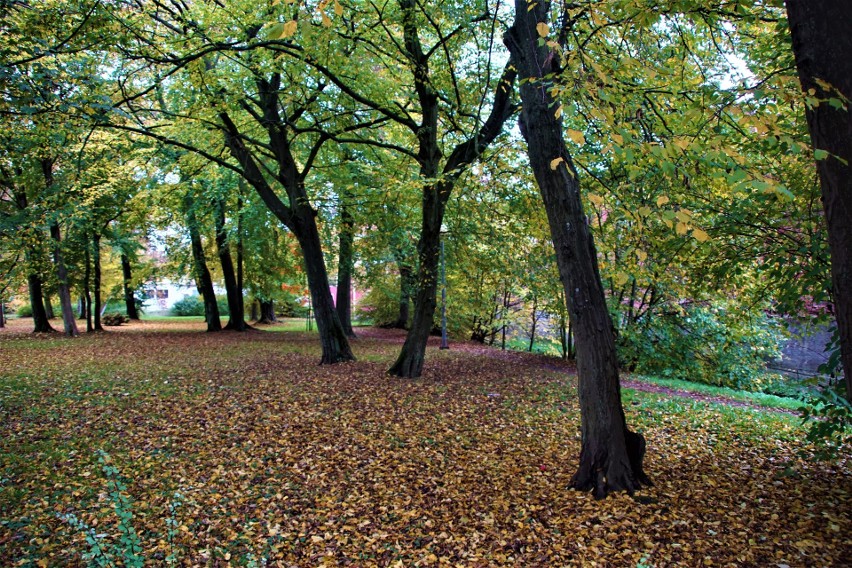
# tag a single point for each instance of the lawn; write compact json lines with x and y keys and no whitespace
{"x":238,"y":449}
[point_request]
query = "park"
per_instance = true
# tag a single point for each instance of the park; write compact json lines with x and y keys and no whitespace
{"x":396,"y":283}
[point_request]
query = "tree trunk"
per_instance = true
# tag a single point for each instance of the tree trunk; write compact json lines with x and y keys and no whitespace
{"x":62,"y":276}
{"x":407,"y":284}
{"x":129,"y":299}
{"x":202,"y":274}
{"x":611,"y":455}
{"x":41,"y":323}
{"x":534,"y":323}
{"x":236,"y":318}
{"x":96,"y":254}
{"x":299,"y":217}
{"x":48,"y":305}
{"x":81,"y":307}
{"x":343,"y":304}
{"x":267,"y":312}
{"x":335,"y":345}
{"x":822,"y":46}
{"x":87,"y":291}
{"x":2,"y":314}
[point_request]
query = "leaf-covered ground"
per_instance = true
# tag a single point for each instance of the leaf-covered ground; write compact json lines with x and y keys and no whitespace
{"x":283,"y":462}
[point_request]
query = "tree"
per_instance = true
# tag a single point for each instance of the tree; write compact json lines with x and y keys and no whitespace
{"x":611,"y":455}
{"x":823,"y":50}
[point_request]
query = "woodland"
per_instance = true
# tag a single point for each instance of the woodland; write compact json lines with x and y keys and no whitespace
{"x":651,"y":189}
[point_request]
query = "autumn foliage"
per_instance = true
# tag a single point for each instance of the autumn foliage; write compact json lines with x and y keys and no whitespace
{"x":283,"y":461}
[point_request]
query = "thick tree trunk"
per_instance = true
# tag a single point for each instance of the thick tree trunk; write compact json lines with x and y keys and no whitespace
{"x":202,"y":274}
{"x":81,"y":307}
{"x":68,"y":320}
{"x":409,"y":364}
{"x":267,"y":312}
{"x":335,"y":345}
{"x":822,"y":46}
{"x":611,"y":455}
{"x":236,"y":309}
{"x":129,"y":299}
{"x":343,"y":303}
{"x":96,"y":256}
{"x":41,"y":323}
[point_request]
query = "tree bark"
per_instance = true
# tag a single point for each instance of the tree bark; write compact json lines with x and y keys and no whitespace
{"x":48,"y":304}
{"x":96,"y":255}
{"x":202,"y":274}
{"x":267,"y":312}
{"x":409,"y":364}
{"x":822,"y":46}
{"x":298,"y":216}
{"x":41,"y":323}
{"x":68,"y":320}
{"x":343,"y":303}
{"x":129,"y":299}
{"x":611,"y":455}
{"x":87,"y":291}
{"x":236,"y":309}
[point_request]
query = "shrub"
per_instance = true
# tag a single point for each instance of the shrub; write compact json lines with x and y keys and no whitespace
{"x":114,"y":319}
{"x":719,"y":345}
{"x":24,"y":311}
{"x":829,"y":419}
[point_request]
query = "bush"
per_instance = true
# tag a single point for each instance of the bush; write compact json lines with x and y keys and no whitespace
{"x":829,"y":419}
{"x":189,"y":306}
{"x":194,"y":306}
{"x":25,"y":311}
{"x":719,"y":345}
{"x":114,"y":319}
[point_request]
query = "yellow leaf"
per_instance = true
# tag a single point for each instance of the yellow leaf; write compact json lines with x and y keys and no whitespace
{"x":700,"y":235}
{"x":338,"y":9}
{"x":683,"y":216}
{"x":542,"y":29}
{"x":554,"y":163}
{"x":618,"y":139}
{"x":681,"y":143}
{"x":681,"y":228}
{"x":290,"y":28}
{"x":621,"y":279}
{"x":317,"y":538}
{"x":576,"y":136}
{"x":644,"y":211}
{"x":596,"y":199}
{"x":641,"y":255}
{"x":326,"y":21}
{"x":662,"y":200}
{"x":558,"y":112}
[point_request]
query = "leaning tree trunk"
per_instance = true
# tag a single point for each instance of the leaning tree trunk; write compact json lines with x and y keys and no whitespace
{"x":822,"y":46}
{"x":202,"y":274}
{"x":68,"y":320}
{"x":236,"y":307}
{"x":41,"y":323}
{"x":129,"y":300}
{"x":611,"y":455}
{"x":343,"y":304}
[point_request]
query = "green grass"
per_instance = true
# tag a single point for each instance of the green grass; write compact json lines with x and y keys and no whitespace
{"x":760,"y":399}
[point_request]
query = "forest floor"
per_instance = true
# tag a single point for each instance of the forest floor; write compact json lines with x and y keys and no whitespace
{"x":238,"y":449}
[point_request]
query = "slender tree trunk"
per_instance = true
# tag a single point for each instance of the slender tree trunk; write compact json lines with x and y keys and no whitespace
{"x":2,"y":314}
{"x":202,"y":274}
{"x":87,"y":291}
{"x":407,"y":283}
{"x":822,"y":46}
{"x":611,"y":455}
{"x":48,"y":305}
{"x":81,"y":307}
{"x":96,"y":254}
{"x":129,"y":299}
{"x":236,"y":318}
{"x":62,"y":276}
{"x":41,"y":323}
{"x":534,"y":323}
{"x":343,"y":304}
